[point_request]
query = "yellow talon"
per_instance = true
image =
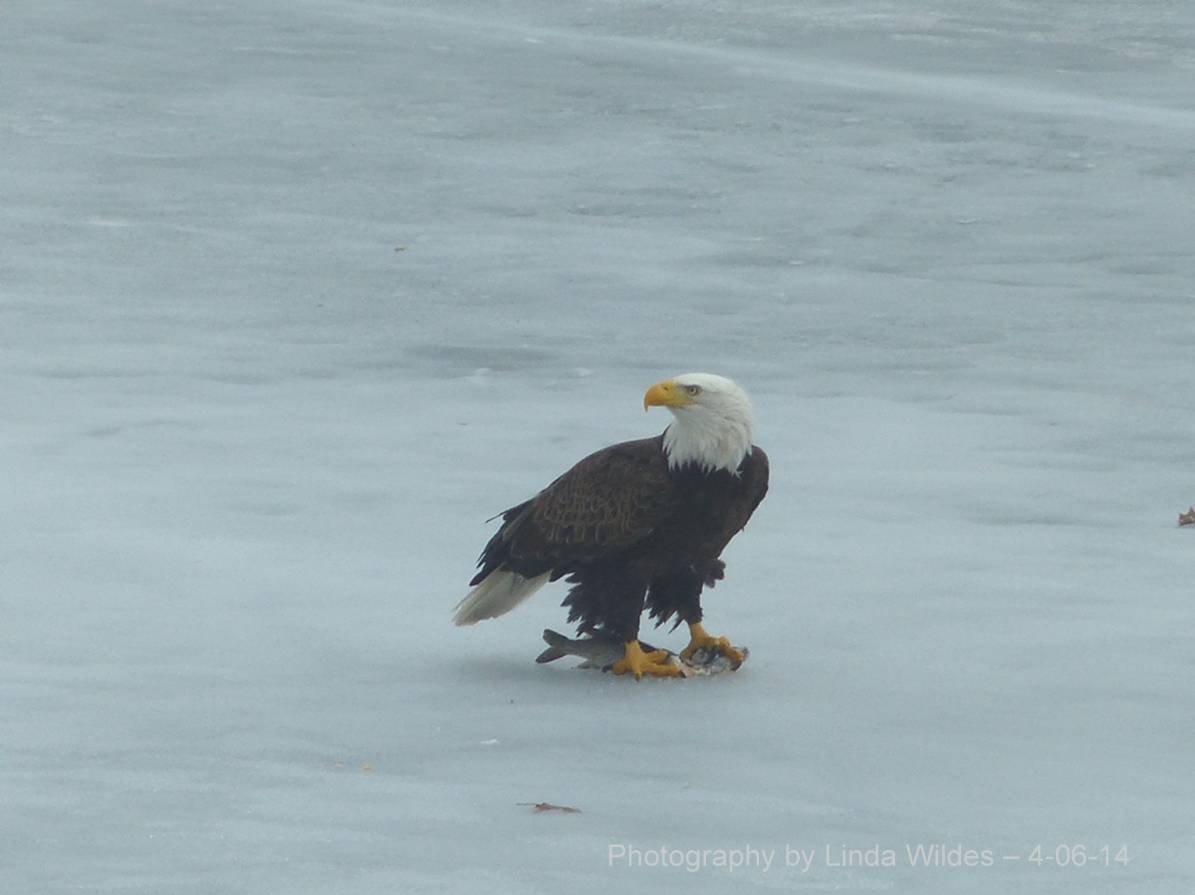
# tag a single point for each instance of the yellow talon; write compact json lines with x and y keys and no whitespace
{"x":635,"y":661}
{"x":699,"y":639}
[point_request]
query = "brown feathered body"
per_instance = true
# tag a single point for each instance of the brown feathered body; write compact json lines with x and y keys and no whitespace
{"x":628,"y":532}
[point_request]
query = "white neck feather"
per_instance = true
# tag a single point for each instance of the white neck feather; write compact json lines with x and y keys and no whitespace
{"x":711,"y":441}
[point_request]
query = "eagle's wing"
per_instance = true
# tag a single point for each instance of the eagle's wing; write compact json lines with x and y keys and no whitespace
{"x":755,"y":486}
{"x":608,"y":501}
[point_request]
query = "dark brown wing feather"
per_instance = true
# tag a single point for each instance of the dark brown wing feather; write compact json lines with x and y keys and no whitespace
{"x":755,"y":471}
{"x":607,"y":501}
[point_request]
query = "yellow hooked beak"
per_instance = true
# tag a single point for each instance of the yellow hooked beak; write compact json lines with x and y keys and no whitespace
{"x":666,"y":394}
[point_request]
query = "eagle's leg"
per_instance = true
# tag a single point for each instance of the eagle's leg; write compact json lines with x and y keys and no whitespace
{"x":699,"y":639}
{"x":610,"y":601}
{"x":679,"y":592}
{"x":635,"y":661}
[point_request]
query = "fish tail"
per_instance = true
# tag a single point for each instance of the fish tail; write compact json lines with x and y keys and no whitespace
{"x":558,"y":647}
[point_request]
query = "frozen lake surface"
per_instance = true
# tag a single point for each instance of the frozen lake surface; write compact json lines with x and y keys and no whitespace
{"x":293,"y":296}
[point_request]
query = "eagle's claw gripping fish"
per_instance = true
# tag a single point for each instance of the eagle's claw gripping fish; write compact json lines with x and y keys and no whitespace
{"x":602,"y":651}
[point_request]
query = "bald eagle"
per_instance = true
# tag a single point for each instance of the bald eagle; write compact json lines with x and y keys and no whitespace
{"x":636,"y":525}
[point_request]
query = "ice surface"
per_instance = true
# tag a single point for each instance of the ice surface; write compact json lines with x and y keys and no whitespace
{"x":293,"y":296}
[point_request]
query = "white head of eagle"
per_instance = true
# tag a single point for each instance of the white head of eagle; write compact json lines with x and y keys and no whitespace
{"x":712,"y":425}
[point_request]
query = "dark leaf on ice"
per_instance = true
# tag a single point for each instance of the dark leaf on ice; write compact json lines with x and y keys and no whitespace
{"x":548,"y":806}
{"x":1187,"y":518}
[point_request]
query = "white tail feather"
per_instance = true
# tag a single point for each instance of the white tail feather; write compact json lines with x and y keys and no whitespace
{"x":500,"y":592}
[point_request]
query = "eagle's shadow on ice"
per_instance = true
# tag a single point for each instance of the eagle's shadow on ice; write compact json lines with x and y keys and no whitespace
{"x":509,"y":669}
{"x":499,"y":667}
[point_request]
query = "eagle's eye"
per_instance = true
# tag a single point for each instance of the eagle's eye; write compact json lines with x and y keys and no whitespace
{"x":693,"y":390}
